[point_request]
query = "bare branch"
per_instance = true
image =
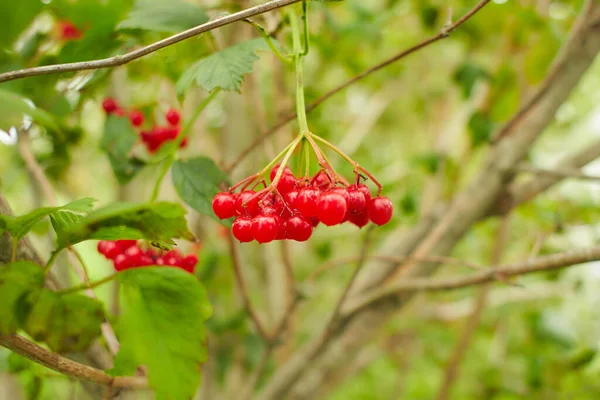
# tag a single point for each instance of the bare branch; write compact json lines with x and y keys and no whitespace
{"x":560,"y":173}
{"x":71,"y":368}
{"x":290,"y":117}
{"x":144,"y":51}
{"x":545,"y":263}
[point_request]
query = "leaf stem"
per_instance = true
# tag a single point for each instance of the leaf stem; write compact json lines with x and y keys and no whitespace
{"x":89,"y":285}
{"x":15,"y":246}
{"x":51,"y":260}
{"x":305,"y":23}
{"x":164,"y":169}
{"x":299,"y":58}
{"x":263,"y":32}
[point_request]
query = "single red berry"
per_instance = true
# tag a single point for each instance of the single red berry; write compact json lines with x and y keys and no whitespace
{"x":265,"y":228}
{"x":290,"y":198}
{"x":223,"y":205}
{"x":109,"y":105}
{"x":321,"y":181}
{"x":242,"y":229}
{"x":380,"y":210}
{"x":125,"y":244}
{"x":356,"y":201}
{"x":298,"y":229}
{"x":109,"y":249}
{"x":136,"y":117}
{"x":287,"y":170}
{"x":171,"y":132}
{"x":102,"y":245}
{"x":159,"y":261}
{"x":121,"y":262}
{"x":173,"y":116}
{"x":286,"y":183}
{"x":68,"y":31}
{"x":343,"y":192}
{"x":134,"y":254}
{"x":314,"y":221}
{"x":245,"y":207}
{"x":282,"y":233}
{"x":331,"y":208}
{"x":189,"y":262}
{"x":359,"y":220}
{"x":306,"y":202}
{"x":172,"y":261}
{"x":146,"y":260}
{"x":364,"y":189}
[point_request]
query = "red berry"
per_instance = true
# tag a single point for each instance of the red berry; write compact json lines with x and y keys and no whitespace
{"x":380,"y":210}
{"x":321,"y":181}
{"x":121,"y":262}
{"x":109,"y":105}
{"x":265,"y":228}
{"x":314,"y":221}
{"x":356,"y":201}
{"x":251,"y":207}
{"x":298,"y":229}
{"x":173,"y":116}
{"x":306,"y":203}
{"x":343,"y":192}
{"x":68,"y":31}
{"x":242,"y":229}
{"x":189,"y":262}
{"x":134,"y":254}
{"x":159,"y":261}
{"x":172,"y":261}
{"x":146,"y":260}
{"x":286,"y":183}
{"x":287,"y":170}
{"x":331,"y":208}
{"x":223,"y":205}
{"x":364,"y":189}
{"x":171,"y":133}
{"x":136,"y":117}
{"x":359,"y":220}
{"x":125,"y":244}
{"x":184,"y":143}
{"x":290,"y":198}
{"x":109,"y":249}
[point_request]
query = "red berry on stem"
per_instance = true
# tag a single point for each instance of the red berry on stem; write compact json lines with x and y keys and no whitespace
{"x":356,"y":201}
{"x":343,"y":192}
{"x":287,"y":170}
{"x":306,"y":202}
{"x":265,"y":228}
{"x":134,"y":254}
{"x":136,"y":118}
{"x":189,"y":262}
{"x":223,"y":205}
{"x":243,"y":206}
{"x":359,"y":220}
{"x":109,"y":249}
{"x":331,"y":208}
{"x":321,"y":181}
{"x":173,"y":116}
{"x":380,"y":210}
{"x":184,"y":143}
{"x":121,"y":262}
{"x":125,"y":244}
{"x":109,"y":105}
{"x":298,"y":229}
{"x":242,"y":229}
{"x":68,"y":31}
{"x":286,"y":183}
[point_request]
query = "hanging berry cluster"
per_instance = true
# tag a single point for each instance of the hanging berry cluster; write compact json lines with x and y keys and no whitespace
{"x":127,"y":254}
{"x":156,"y":136}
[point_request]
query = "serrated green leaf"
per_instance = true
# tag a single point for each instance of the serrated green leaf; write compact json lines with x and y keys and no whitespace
{"x":224,"y":69}
{"x":162,"y":327}
{"x":17,"y":280}
{"x":161,"y":221}
{"x":197,"y":180}
{"x":117,"y":142}
{"x":164,"y":16}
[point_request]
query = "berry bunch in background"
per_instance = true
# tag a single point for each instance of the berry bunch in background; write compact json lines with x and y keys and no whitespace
{"x":67,"y":31}
{"x":292,"y":207}
{"x":157,"y":135}
{"x":127,"y":254}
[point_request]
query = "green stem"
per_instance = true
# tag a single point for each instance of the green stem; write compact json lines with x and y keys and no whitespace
{"x":164,"y":169}
{"x":15,"y":246}
{"x":263,"y":32}
{"x":51,"y":261}
{"x":305,"y":22}
{"x":306,"y":161}
{"x":292,"y":146}
{"x":89,"y":285}
{"x":299,"y":58}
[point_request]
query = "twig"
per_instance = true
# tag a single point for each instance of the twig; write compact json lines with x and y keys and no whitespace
{"x":562,"y":173}
{"x":34,"y":168}
{"x":243,"y":290}
{"x":143,"y":51}
{"x":545,"y":263}
{"x":290,"y":117}
{"x":71,"y":368}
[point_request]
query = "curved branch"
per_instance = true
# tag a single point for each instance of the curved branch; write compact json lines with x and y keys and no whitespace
{"x":144,"y":51}
{"x":71,"y":368}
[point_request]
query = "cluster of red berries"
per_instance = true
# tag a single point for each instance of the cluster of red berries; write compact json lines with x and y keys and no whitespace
{"x":127,"y":254}
{"x":158,"y":134}
{"x":66,"y":30}
{"x":297,"y":206}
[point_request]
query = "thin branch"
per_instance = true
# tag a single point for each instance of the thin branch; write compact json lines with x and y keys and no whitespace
{"x":34,"y":168}
{"x":143,"y":51}
{"x":561,"y":173}
{"x":445,"y":32}
{"x":539,"y":264}
{"x":243,"y":290}
{"x":71,"y":368}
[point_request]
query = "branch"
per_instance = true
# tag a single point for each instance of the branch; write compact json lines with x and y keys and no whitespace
{"x":144,"y":51}
{"x":71,"y":368}
{"x":444,"y":33}
{"x":540,"y":264}
{"x":558,"y":172}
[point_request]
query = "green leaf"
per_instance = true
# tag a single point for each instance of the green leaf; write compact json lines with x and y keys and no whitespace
{"x":467,"y":75}
{"x":19,"y":226}
{"x":161,"y":221}
{"x":13,"y":20}
{"x":17,"y":280}
{"x":118,"y":141}
{"x":162,"y":327}
{"x":480,"y":128}
{"x":14,"y":107}
{"x":164,"y":16}
{"x":197,"y":180}
{"x":224,"y":69}
{"x":540,"y":56}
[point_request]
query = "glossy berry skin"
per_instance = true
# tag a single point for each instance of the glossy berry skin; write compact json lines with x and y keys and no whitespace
{"x":331,"y":208}
{"x":173,"y":117}
{"x":359,"y":220}
{"x":242,"y":229}
{"x":286,"y":183}
{"x":245,"y":207}
{"x":306,"y":202}
{"x":136,"y":118}
{"x":121,"y":262}
{"x":223,"y":205}
{"x":108,"y":249}
{"x":322,"y":181}
{"x":189,"y":262}
{"x":109,"y":105}
{"x":265,"y":228}
{"x":298,"y":229}
{"x":356,"y":201}
{"x":125,"y":244}
{"x":380,"y":210}
{"x":343,"y":192}
{"x":273,"y":172}
{"x":364,"y":189}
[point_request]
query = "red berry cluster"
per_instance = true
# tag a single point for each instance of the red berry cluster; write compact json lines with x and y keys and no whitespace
{"x":158,"y":134}
{"x":68,"y":31}
{"x":127,"y":254}
{"x":297,"y":206}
